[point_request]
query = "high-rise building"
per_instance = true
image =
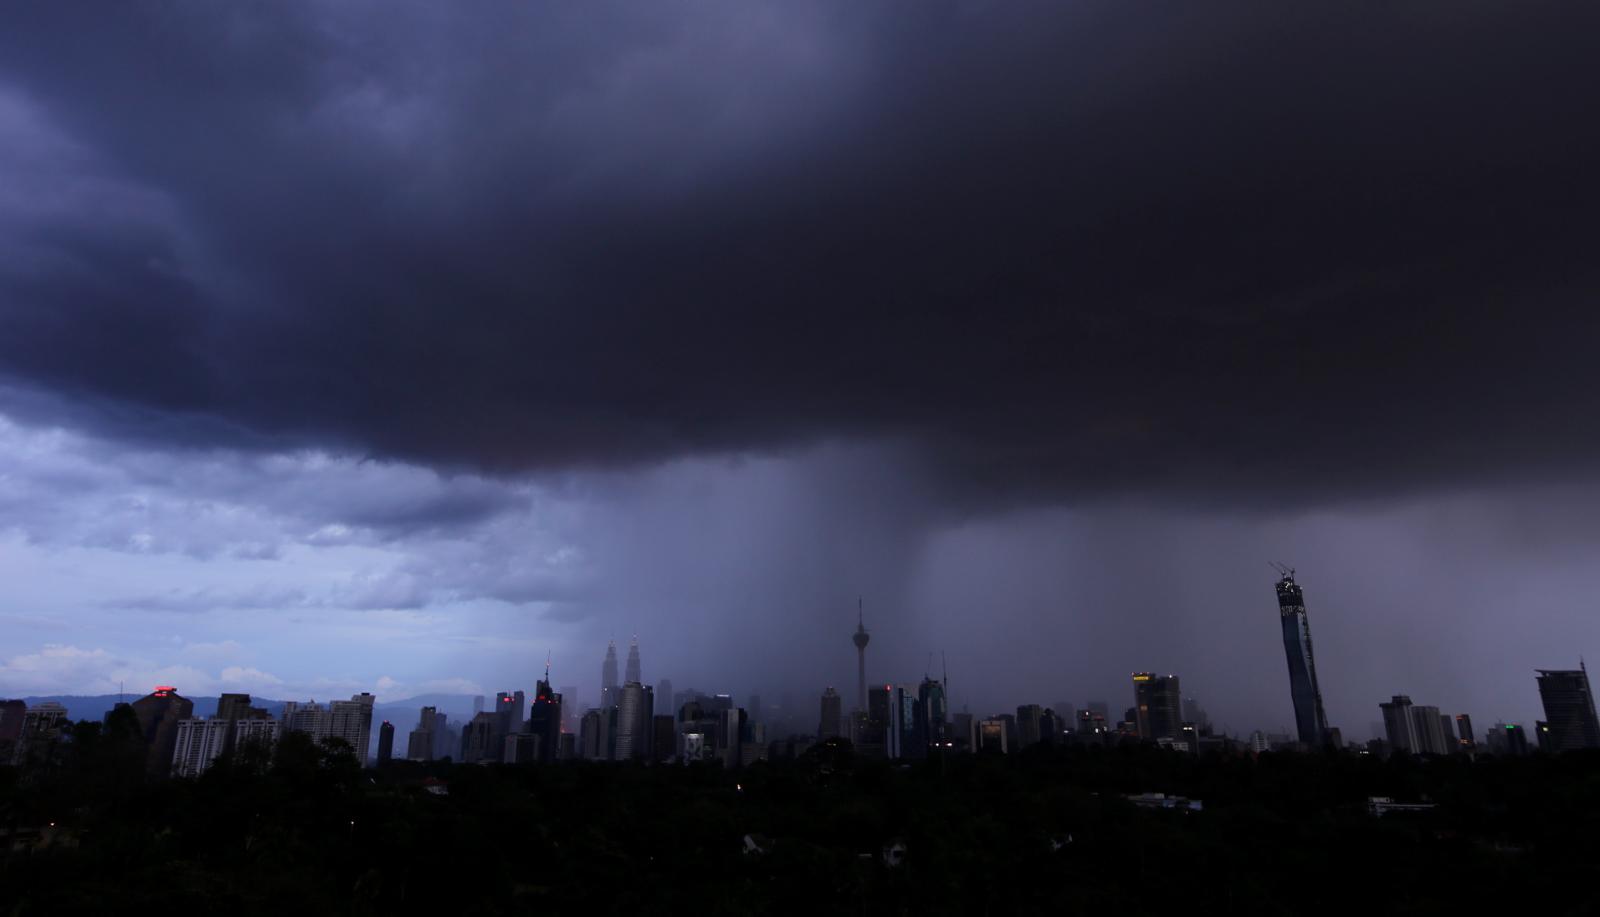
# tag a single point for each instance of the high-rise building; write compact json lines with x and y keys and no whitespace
{"x":608,"y":676}
{"x":932,"y":715}
{"x":904,"y":726}
{"x":831,"y":724}
{"x":1568,"y":709}
{"x":591,"y":737}
{"x":992,"y":736}
{"x":1310,"y":721}
{"x":481,"y":740}
{"x":1028,"y":725}
{"x":632,"y":672}
{"x":12,"y":713}
{"x":860,"y":638}
{"x":633,"y":722}
{"x":1399,"y":726}
{"x":1464,"y":734}
{"x":508,"y":708}
{"x":1157,"y":703}
{"x":545,"y":719}
{"x":385,"y":743}
{"x":159,"y":713}
{"x":663,"y":737}
{"x":347,"y":720}
{"x":200,"y":742}
{"x":421,"y":743}
{"x":1415,"y":728}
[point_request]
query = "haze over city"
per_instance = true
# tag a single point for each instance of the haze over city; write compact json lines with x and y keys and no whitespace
{"x":367,"y":348}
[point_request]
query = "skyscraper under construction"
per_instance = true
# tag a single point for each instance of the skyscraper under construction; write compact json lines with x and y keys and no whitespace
{"x":1310,"y":721}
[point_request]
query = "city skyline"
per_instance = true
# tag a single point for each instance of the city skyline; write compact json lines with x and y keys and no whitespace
{"x":330,"y":365}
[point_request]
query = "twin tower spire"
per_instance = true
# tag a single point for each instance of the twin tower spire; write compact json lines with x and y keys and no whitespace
{"x":609,"y":693}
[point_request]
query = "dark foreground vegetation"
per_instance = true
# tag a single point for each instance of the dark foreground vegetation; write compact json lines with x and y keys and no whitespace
{"x":309,"y":832}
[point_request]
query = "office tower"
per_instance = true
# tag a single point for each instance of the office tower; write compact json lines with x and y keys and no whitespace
{"x":901,"y":736}
{"x":632,"y":672}
{"x":478,"y":703}
{"x":1430,"y":731}
{"x":569,"y":712}
{"x":831,"y":724}
{"x":1028,"y":725}
{"x":591,"y":737}
{"x":1310,"y":721}
{"x":159,"y":713}
{"x":521,"y":748}
{"x":421,"y":743}
{"x":963,"y":732}
{"x":633,"y":722}
{"x":729,"y":735}
{"x":1414,"y":729}
{"x":1050,"y":728}
{"x":481,"y":740}
{"x":1447,"y":731}
{"x":1158,"y":712}
{"x":992,"y":736}
{"x":721,"y":702}
{"x":931,"y":712}
{"x":1464,"y":736}
{"x":545,"y":719}
{"x":1569,"y":709}
{"x":1399,"y":726}
{"x":508,"y":707}
{"x":663,"y":737}
{"x":446,"y":738}
{"x":1101,"y":708}
{"x":608,"y":676}
{"x":752,"y":708}
{"x":860,"y":638}
{"x":385,"y":743}
{"x":666,"y":701}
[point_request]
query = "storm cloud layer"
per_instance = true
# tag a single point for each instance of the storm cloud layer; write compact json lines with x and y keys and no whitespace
{"x":1065,"y":247}
{"x":455,"y":335}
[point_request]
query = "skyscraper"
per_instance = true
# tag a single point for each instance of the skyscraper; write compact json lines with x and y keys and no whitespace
{"x":159,"y":713}
{"x":1568,"y":709}
{"x":860,"y":639}
{"x":1029,"y":725}
{"x":1158,"y":706}
{"x":1464,"y":735}
{"x":632,"y":672}
{"x":421,"y":743}
{"x":831,"y":722}
{"x":608,"y":676}
{"x":544,"y":720}
{"x":633,"y":721}
{"x":1310,"y":721}
{"x":385,"y":743}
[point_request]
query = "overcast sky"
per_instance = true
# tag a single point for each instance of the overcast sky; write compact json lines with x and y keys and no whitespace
{"x":393,"y":346}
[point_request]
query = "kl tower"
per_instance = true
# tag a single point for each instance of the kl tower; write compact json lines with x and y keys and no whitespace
{"x":860,"y":638}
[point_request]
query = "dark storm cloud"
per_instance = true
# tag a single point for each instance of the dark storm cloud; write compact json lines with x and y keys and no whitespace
{"x":1056,"y":248}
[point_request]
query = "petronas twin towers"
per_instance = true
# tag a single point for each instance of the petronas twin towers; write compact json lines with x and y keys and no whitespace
{"x":610,"y":693}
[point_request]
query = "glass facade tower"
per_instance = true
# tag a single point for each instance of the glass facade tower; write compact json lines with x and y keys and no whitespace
{"x":1310,"y":721}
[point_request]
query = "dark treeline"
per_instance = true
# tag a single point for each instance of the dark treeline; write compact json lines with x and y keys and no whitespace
{"x":305,"y":830}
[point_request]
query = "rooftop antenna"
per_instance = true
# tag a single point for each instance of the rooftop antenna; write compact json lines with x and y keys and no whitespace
{"x":1284,"y":570}
{"x":547,"y":665}
{"x":944,"y":663}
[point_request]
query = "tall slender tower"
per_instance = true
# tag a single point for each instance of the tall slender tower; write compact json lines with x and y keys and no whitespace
{"x":1309,"y":720}
{"x":860,"y":638}
{"x":632,"y":673}
{"x":608,"y":677}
